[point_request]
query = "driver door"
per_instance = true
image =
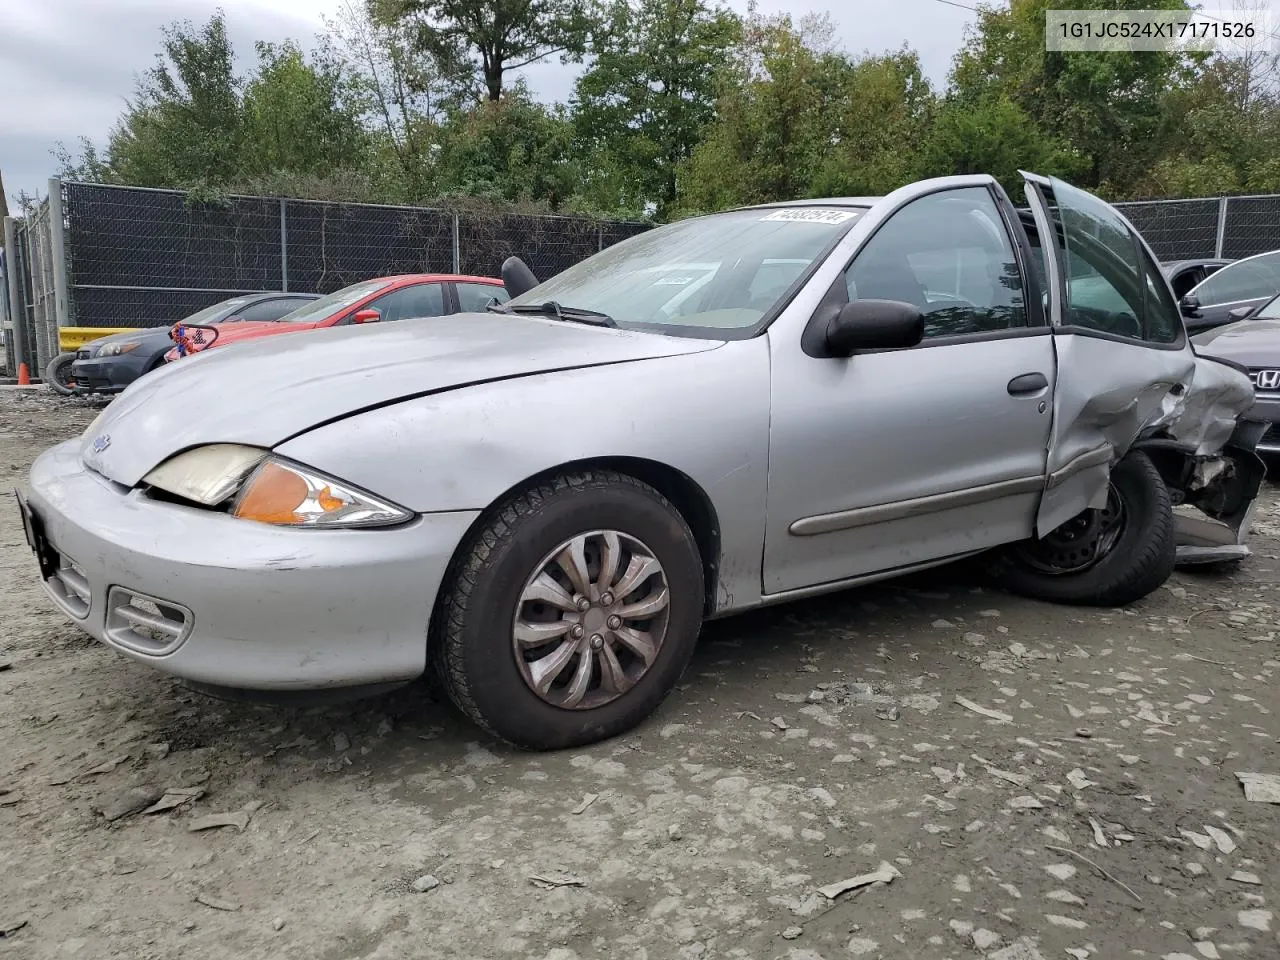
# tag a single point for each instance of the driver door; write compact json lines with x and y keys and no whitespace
{"x":892,"y":459}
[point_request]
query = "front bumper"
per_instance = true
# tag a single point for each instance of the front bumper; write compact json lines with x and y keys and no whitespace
{"x":104,"y":374}
{"x":240,"y":604}
{"x":1267,"y":407}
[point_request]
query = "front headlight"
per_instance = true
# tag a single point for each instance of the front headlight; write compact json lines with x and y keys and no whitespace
{"x":207,"y":475}
{"x":115,"y":349}
{"x":292,"y":495}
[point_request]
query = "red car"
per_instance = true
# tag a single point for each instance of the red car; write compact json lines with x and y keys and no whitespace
{"x":370,"y":301}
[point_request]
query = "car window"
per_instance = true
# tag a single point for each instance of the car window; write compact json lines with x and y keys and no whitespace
{"x":1106,"y":289}
{"x":1269,"y":310}
{"x":270,"y":309}
{"x":420,"y":300}
{"x":1162,"y":319}
{"x":700,"y":277}
{"x":213,"y":313}
{"x":948,"y":254}
{"x":474,"y":297}
{"x":1243,"y":280}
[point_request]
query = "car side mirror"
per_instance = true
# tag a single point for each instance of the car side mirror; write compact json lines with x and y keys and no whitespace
{"x":1240,"y":313}
{"x":874,"y":325}
{"x":367,"y":316}
{"x":1190,"y":306}
{"x":517,"y":277}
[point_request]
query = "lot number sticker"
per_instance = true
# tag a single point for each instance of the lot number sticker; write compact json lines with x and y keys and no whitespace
{"x":806,"y":215}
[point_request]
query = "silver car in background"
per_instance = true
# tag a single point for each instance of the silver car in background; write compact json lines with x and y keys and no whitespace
{"x":544,"y":502}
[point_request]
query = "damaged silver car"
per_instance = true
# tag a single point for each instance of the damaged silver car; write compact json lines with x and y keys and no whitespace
{"x":543,"y":503}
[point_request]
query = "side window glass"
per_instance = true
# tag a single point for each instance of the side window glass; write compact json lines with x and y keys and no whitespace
{"x":270,"y":309}
{"x":949,"y":255}
{"x":474,"y":297}
{"x":423,"y":300}
{"x":1163,"y":319}
{"x":1105,"y":286}
{"x":1245,"y":280}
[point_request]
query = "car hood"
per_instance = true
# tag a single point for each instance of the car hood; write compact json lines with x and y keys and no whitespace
{"x":249,"y":329}
{"x":1253,"y":343}
{"x":157,"y":334}
{"x":268,"y":390}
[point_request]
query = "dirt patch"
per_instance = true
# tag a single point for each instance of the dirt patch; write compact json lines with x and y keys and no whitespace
{"x":806,"y":745}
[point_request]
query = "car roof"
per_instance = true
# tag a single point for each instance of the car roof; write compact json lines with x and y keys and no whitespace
{"x":435,"y":278}
{"x":818,"y":202}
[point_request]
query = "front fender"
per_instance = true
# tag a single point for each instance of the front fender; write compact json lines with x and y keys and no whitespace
{"x":705,"y":415}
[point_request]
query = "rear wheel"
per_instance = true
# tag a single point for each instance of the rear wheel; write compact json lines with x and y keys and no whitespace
{"x":571,"y":612}
{"x":58,"y":374}
{"x":1106,"y":557}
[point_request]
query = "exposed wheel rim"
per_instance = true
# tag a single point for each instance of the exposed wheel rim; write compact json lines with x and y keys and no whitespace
{"x":591,"y":620}
{"x":62,"y":373}
{"x":1081,"y":543}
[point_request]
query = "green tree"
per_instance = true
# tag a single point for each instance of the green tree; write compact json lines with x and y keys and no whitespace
{"x":514,"y":150}
{"x":880,"y":119}
{"x":1104,"y":107}
{"x":994,"y":135}
{"x":184,"y":123}
{"x":641,"y":108}
{"x":779,"y":97}
{"x":299,"y":116}
{"x":495,"y":36}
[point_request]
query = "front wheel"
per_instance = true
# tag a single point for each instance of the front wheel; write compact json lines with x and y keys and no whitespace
{"x":58,"y":374}
{"x":1107,"y":557}
{"x":571,"y":612}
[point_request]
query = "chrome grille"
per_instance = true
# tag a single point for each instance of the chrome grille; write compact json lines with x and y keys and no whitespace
{"x":145,"y":624}
{"x":70,"y":587}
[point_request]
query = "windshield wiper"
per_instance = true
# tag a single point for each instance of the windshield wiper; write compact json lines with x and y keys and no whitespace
{"x":561,"y":312}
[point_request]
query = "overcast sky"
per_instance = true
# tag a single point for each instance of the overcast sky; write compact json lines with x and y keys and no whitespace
{"x":66,"y":66}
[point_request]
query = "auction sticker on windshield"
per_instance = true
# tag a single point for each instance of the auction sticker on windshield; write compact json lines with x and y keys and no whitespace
{"x":806,"y":215}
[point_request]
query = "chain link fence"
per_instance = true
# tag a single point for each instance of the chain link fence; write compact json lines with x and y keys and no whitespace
{"x":95,"y":255}
{"x":1224,"y":227}
{"x":141,"y":257}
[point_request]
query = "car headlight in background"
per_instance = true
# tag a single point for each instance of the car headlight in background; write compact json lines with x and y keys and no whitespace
{"x":116,"y":349}
{"x":269,"y":489}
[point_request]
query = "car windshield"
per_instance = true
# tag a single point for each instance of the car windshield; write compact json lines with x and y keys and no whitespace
{"x":716,"y":276}
{"x":211,"y":314}
{"x":1270,"y":310}
{"x":332,"y":303}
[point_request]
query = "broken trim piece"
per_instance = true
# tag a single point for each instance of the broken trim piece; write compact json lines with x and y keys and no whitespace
{"x":902,"y":509}
{"x":1083,"y":461}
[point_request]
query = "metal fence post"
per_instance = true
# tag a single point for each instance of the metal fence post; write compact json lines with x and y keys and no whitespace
{"x":284,"y":247}
{"x":58,"y":255}
{"x":1222,"y":227}
{"x":17,"y":315}
{"x":457,"y":246}
{"x":599,"y":236}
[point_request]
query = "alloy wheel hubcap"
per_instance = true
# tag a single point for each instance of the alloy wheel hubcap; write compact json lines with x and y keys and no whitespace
{"x":591,"y":620}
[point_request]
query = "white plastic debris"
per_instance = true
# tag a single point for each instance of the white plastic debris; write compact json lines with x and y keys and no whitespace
{"x":984,"y":711}
{"x":883,"y":874}
{"x":1221,"y":838}
{"x":1260,"y":787}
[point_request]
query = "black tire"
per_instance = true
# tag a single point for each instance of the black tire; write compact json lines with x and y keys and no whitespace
{"x":58,"y":374}
{"x":471,"y":642}
{"x":1137,"y":561}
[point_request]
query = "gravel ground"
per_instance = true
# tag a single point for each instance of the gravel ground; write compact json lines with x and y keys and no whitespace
{"x":1093,"y":810}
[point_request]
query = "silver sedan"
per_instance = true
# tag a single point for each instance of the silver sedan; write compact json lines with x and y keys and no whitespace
{"x":544,"y":502}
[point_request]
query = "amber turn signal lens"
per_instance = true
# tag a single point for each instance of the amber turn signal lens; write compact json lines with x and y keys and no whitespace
{"x":273,"y":495}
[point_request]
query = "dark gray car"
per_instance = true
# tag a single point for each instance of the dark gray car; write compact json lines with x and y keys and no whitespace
{"x":112,"y":363}
{"x":1239,"y":286}
{"x":1183,"y":275}
{"x":1253,"y":343}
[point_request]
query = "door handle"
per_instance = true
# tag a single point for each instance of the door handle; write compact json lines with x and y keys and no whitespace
{"x":1028,"y":383}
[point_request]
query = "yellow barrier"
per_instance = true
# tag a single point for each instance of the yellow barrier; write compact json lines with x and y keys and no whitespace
{"x":72,"y":338}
